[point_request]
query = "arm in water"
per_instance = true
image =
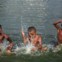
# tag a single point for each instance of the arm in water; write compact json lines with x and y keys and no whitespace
{"x":11,"y":44}
{"x":56,"y":24}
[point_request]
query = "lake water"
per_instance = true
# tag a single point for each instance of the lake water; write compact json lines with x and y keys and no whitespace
{"x":15,"y":14}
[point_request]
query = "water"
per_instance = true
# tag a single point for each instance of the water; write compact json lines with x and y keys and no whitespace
{"x":50,"y":57}
{"x":23,"y":53}
{"x":15,"y":14}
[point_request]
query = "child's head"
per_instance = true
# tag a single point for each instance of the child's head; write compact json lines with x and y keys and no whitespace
{"x":31,"y":31}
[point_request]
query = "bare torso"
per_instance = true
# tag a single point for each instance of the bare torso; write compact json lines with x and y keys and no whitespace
{"x":59,"y":35}
{"x":35,"y":40}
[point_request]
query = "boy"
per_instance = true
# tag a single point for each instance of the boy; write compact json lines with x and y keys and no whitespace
{"x":59,"y":31}
{"x":33,"y":38}
{"x":4,"y":36}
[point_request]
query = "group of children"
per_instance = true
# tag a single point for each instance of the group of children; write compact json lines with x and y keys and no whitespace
{"x":33,"y":38}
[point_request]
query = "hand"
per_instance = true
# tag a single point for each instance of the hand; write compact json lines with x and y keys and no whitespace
{"x":60,"y":21}
{"x":8,"y":52}
{"x":10,"y":46}
{"x":23,"y":34}
{"x":44,"y":49}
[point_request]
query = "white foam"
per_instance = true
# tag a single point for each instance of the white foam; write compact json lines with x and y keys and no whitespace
{"x":3,"y":46}
{"x":22,"y":49}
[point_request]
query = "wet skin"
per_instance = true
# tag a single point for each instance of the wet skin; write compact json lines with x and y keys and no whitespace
{"x":59,"y":31}
{"x":59,"y":36}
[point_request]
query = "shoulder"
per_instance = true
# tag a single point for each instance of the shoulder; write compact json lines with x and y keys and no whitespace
{"x":39,"y":36}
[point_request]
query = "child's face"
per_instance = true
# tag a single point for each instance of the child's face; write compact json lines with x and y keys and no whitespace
{"x":32,"y":33}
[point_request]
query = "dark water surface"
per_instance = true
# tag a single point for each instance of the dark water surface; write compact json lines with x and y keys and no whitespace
{"x":50,"y":57}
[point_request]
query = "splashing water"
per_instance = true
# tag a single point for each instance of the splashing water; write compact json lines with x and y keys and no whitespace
{"x":3,"y":46}
{"x":23,"y":49}
{"x":28,"y":49}
{"x":58,"y":48}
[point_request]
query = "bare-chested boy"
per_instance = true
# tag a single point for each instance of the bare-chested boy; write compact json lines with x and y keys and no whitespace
{"x":33,"y":37}
{"x":4,"y":36}
{"x":59,"y":31}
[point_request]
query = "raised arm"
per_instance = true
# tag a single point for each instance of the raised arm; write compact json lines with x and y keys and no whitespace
{"x":56,"y":24}
{"x":40,"y":40}
{"x":24,"y":37}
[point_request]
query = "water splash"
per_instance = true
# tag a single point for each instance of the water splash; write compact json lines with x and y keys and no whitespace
{"x":27,"y":49}
{"x":23,"y":25}
{"x":3,"y":46}
{"x":57,"y":48}
{"x":22,"y":49}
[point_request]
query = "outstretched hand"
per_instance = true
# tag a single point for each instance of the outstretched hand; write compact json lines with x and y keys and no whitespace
{"x":23,"y":34}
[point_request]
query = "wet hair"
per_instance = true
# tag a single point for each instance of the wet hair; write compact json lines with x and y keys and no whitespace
{"x":31,"y":28}
{"x":1,"y":26}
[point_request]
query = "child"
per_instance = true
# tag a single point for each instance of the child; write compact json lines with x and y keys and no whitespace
{"x":4,"y":36}
{"x":33,"y":38}
{"x":59,"y":31}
